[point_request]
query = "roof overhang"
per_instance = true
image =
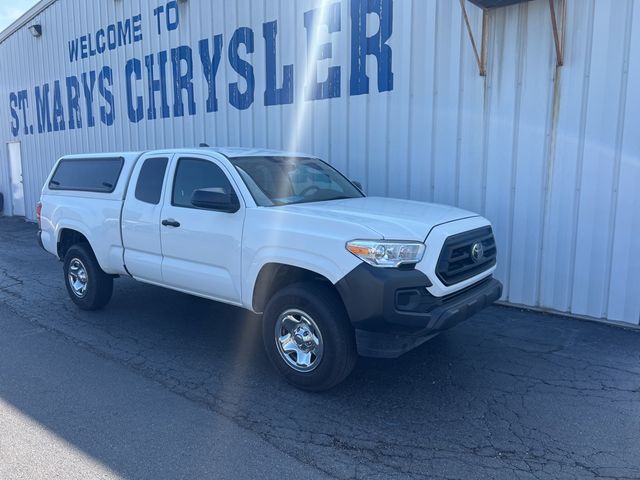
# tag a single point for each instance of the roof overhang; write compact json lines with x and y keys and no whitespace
{"x":496,"y":3}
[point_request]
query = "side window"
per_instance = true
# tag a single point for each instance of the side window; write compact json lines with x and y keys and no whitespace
{"x":149,"y":186}
{"x":87,"y":174}
{"x":194,"y":174}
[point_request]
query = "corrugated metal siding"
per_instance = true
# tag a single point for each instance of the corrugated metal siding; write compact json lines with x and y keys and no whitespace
{"x":552,"y":157}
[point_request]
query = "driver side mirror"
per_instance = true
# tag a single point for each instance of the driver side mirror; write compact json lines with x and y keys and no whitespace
{"x":358,"y":185}
{"x":215,"y":199}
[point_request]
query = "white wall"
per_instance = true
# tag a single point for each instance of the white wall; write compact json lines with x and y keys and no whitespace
{"x":552,"y":157}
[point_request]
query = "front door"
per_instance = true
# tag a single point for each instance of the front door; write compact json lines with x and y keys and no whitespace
{"x":201,"y":248}
{"x":15,"y":173}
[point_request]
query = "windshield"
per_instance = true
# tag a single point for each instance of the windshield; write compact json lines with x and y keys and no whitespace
{"x":286,"y":180}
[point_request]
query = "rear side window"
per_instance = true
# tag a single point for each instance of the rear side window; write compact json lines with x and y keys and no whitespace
{"x":149,"y":186}
{"x":193,"y":174}
{"x":87,"y":174}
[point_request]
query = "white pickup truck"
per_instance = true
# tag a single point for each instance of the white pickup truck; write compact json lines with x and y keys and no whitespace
{"x":333,"y":272}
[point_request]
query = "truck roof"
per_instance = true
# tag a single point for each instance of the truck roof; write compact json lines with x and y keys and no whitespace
{"x":229,"y":152}
{"x":235,"y":152}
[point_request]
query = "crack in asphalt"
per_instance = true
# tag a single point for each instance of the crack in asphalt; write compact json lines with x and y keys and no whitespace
{"x":509,"y":394}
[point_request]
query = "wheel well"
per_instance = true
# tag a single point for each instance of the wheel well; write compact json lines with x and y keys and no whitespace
{"x":69,"y":238}
{"x":275,"y":276}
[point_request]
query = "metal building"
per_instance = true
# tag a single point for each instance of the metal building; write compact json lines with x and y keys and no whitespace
{"x":388,"y":90}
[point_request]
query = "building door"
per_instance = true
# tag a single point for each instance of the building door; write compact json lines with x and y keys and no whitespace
{"x":15,"y":177}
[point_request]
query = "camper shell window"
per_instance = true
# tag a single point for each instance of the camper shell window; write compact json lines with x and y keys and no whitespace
{"x":87,"y":174}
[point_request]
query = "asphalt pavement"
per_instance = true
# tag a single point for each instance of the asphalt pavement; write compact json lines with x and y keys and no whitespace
{"x":163,"y":385}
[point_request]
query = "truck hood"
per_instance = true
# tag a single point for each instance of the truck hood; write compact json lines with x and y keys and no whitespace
{"x":391,"y":218}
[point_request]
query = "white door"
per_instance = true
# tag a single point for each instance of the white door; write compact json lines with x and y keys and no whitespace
{"x":141,"y":218}
{"x":201,"y":248}
{"x":15,"y":174}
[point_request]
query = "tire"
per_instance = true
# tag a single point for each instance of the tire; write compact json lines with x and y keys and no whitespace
{"x":311,"y":306}
{"x":98,"y":286}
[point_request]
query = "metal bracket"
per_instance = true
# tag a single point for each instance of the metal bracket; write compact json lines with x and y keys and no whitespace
{"x":558,"y":33}
{"x":558,"y":24}
{"x":481,"y":57}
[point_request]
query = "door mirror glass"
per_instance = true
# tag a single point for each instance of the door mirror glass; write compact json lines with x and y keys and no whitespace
{"x":215,"y":199}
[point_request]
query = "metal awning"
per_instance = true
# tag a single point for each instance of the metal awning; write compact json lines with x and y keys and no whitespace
{"x":557,"y":26}
{"x":487,"y":4}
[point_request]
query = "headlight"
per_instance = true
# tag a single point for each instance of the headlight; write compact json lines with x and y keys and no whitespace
{"x":389,"y":254}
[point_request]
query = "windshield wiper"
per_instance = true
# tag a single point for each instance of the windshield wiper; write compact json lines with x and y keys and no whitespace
{"x":341,"y":197}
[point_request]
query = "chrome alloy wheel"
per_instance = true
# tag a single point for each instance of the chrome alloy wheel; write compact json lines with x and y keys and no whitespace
{"x":299,"y":340}
{"x":78,"y":278}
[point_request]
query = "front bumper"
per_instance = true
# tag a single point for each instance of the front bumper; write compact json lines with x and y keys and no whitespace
{"x":392,"y":311}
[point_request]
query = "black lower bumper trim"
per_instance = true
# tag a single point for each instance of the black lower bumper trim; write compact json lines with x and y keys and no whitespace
{"x":387,"y":327}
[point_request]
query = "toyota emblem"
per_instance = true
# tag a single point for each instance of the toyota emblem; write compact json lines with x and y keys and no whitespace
{"x":477,"y":252}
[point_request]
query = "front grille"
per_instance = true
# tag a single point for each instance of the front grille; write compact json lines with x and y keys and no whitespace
{"x":457,"y":263}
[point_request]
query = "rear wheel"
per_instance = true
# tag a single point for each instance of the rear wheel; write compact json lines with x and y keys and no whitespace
{"x":308,"y":337}
{"x":88,"y":286}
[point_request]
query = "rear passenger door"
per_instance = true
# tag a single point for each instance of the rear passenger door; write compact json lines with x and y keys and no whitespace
{"x":141,"y":218}
{"x":201,"y":247}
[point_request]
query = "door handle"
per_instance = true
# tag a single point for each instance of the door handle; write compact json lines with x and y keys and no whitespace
{"x":170,"y":222}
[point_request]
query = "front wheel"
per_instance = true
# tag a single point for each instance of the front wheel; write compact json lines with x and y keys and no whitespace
{"x":88,"y":286}
{"x":307,"y":336}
